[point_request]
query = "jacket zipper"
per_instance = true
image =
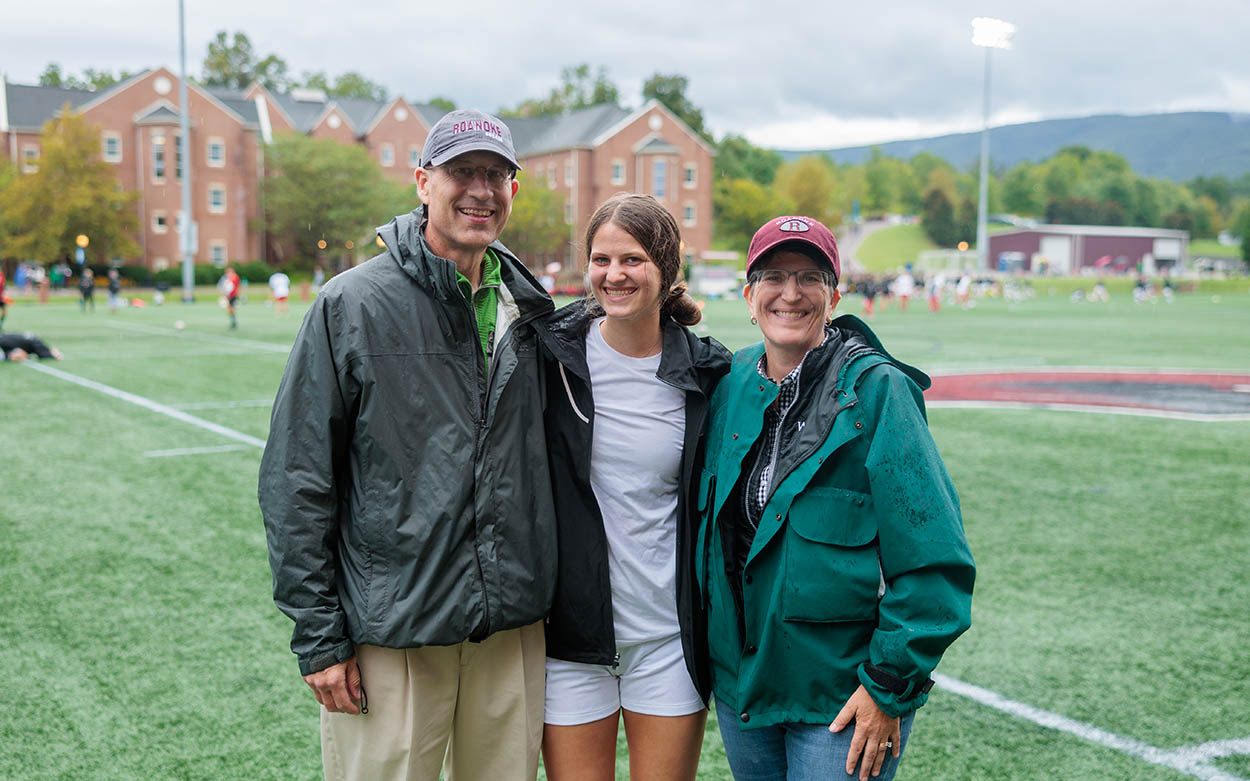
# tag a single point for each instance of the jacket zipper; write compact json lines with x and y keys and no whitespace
{"x":775,"y":480}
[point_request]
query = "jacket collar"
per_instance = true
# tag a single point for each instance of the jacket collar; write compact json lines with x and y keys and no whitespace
{"x":404,"y":237}
{"x":683,"y":356}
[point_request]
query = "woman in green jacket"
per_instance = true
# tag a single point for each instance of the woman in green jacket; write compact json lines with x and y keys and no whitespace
{"x":831,"y":553}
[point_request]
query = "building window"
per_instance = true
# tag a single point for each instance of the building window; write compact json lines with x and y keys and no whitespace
{"x":568,"y":212}
{"x":690,"y":177}
{"x":618,"y":172}
{"x":388,"y":155}
{"x":659,"y":179}
{"x":568,"y":173}
{"x":551,"y":175}
{"x":158,"y":158}
{"x":688,"y":215}
{"x":217,"y":198}
{"x":216,"y":153}
{"x":217,"y":253}
{"x":30,"y":158}
{"x":112,"y":146}
{"x":414,"y":156}
{"x":178,"y":158}
{"x":160,"y":222}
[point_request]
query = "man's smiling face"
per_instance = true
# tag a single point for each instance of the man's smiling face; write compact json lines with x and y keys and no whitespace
{"x":465,"y":216}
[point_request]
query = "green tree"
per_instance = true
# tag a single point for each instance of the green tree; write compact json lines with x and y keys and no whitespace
{"x":578,"y":89}
{"x":73,"y":192}
{"x":537,"y":224}
{"x":445,"y":104}
{"x":670,"y":89}
{"x":810,"y":183}
{"x":1022,"y":192}
{"x":1239,"y":224}
{"x":938,"y":218}
{"x":231,"y":62}
{"x":346,"y":85}
{"x":742,"y":206}
{"x":738,"y":158}
{"x":319,"y":189}
{"x":91,"y":79}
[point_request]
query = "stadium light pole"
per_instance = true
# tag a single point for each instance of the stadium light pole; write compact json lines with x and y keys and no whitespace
{"x":186,"y":228}
{"x":989,"y":34}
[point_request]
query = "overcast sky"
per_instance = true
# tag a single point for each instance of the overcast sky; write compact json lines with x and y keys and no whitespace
{"x":785,"y":74}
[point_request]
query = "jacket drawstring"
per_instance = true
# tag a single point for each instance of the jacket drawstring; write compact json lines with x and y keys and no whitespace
{"x":569,"y":391}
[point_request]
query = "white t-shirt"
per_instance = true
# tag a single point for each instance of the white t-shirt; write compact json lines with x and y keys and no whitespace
{"x":280,"y":284}
{"x":635,"y":465}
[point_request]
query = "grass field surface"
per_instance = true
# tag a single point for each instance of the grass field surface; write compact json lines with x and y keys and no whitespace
{"x":1112,"y":598}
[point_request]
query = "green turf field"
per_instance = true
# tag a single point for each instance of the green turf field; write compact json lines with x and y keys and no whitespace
{"x":140,"y":641}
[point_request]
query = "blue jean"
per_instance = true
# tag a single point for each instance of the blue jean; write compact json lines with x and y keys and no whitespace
{"x":795,"y":752}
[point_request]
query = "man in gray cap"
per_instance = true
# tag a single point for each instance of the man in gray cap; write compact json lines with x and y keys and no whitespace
{"x":405,"y":488}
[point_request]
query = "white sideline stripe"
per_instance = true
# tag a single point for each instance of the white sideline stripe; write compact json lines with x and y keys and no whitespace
{"x":193,"y":451}
{"x":152,"y":329}
{"x":154,"y":406}
{"x":1188,"y":761}
{"x":1135,"y":411}
{"x":223,"y":404}
{"x":947,"y":371}
{"x":1214,"y":749}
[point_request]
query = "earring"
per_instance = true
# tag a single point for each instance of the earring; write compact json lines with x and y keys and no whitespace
{"x":754,"y":321}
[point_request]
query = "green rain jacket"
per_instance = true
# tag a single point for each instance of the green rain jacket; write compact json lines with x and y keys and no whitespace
{"x":859,"y":572}
{"x":405,"y":489}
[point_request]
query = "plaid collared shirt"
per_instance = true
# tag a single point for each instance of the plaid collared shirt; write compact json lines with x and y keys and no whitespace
{"x":774,"y":416}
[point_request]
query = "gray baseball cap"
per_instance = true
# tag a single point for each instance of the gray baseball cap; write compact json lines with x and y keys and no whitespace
{"x":467,"y":130}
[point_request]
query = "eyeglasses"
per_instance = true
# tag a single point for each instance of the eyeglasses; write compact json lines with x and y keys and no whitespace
{"x":808,"y":278}
{"x":496,"y":176}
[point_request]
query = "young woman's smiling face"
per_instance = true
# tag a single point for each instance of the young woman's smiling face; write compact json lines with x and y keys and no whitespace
{"x":623,"y":279}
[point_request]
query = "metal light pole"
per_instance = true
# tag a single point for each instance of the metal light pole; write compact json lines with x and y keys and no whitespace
{"x":989,"y":34}
{"x":186,"y":228}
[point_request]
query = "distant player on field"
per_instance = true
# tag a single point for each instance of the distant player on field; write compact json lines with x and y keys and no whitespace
{"x":229,"y":286}
{"x":280,"y":285}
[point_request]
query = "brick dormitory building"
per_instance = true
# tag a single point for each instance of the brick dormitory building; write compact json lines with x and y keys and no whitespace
{"x":585,"y":156}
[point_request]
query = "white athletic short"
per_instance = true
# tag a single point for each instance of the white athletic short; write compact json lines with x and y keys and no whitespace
{"x":651,"y":679}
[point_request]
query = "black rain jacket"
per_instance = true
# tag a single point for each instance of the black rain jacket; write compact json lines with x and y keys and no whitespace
{"x":580,"y":627}
{"x":405,"y":492}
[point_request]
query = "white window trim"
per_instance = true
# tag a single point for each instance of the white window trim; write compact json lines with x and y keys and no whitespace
{"x":617,"y":164}
{"x":160,"y":228}
{"x":387,"y":155}
{"x":225,"y":255}
{"x":551,"y":175}
{"x":208,"y":152}
{"x":568,"y":212}
{"x":568,"y":173}
{"x":689,"y":208}
{"x":414,"y":157}
{"x":222,"y":188}
{"x":687,"y":181}
{"x":105,"y":137}
{"x":27,"y":166}
{"x":158,"y":138}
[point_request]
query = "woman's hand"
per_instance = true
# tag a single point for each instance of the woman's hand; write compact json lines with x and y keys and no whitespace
{"x":875,"y":733}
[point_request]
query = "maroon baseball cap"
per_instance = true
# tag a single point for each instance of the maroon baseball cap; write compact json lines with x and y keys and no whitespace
{"x":803,"y":230}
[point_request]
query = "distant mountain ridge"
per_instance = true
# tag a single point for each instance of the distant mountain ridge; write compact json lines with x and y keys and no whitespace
{"x":1176,"y":146}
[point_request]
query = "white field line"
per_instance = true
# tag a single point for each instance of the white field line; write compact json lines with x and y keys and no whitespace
{"x":224,"y":404}
{"x":159,"y":331}
{"x":1108,"y":410}
{"x":1056,"y":369}
{"x":1190,"y":761}
{"x":1214,"y":749}
{"x":154,"y":406}
{"x":193,"y":451}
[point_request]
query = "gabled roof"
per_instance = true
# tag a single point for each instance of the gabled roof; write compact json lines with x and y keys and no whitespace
{"x":30,"y":106}
{"x":575,"y":130}
{"x":655,"y":145}
{"x":234,"y":100}
{"x":1097,"y":230}
{"x":161,"y":113}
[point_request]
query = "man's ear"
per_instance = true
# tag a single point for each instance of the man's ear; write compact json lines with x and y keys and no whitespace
{"x":516,"y":185}
{"x":422,"y":178}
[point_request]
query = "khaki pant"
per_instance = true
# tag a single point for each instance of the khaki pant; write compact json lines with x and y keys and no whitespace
{"x":478,"y":706}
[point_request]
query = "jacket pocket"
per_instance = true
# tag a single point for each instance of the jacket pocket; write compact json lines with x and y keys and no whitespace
{"x":832,"y":567}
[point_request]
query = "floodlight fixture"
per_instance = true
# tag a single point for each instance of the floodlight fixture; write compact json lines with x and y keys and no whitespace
{"x":992,"y":33}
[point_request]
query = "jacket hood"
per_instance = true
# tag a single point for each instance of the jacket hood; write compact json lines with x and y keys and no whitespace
{"x":857,"y":331}
{"x":684,"y":356}
{"x":406,"y":246}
